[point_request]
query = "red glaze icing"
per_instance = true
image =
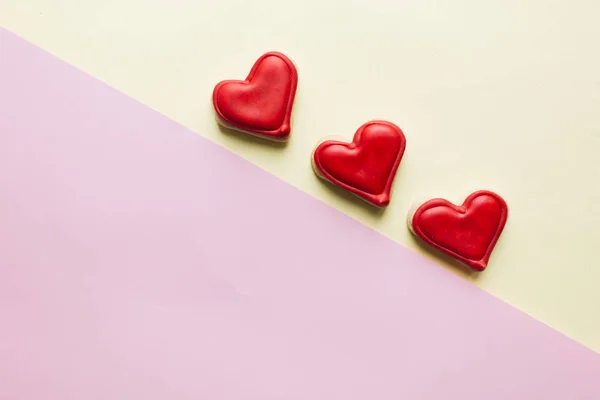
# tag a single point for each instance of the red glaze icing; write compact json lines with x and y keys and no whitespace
{"x":367,"y":166}
{"x":467,"y":233}
{"x":262,"y":104}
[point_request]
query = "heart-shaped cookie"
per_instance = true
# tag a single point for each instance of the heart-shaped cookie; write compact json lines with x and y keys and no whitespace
{"x":367,"y":166}
{"x":468,"y":232}
{"x":261,"y":104}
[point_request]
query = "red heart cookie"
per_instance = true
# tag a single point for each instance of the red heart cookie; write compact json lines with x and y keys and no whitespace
{"x":467,"y":233}
{"x":262,"y":104}
{"x":367,"y":166}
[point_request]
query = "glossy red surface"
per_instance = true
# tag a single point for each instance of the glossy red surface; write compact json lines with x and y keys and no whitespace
{"x":367,"y":166}
{"x":261,"y":104}
{"x":468,"y":232}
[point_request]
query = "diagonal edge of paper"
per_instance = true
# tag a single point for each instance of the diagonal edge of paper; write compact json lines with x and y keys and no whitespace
{"x":139,"y":260}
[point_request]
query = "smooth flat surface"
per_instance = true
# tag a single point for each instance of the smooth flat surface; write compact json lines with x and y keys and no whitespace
{"x":491,"y":95}
{"x":129,"y":269}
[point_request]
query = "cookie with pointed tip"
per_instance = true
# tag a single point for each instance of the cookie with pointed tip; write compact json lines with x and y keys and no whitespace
{"x":366,"y":167}
{"x":467,"y":233}
{"x":262,"y":104}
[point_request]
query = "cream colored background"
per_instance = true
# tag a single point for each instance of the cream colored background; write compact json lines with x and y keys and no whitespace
{"x":499,"y":95}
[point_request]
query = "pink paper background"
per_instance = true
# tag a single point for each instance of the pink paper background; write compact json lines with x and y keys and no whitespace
{"x":140,"y":261}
